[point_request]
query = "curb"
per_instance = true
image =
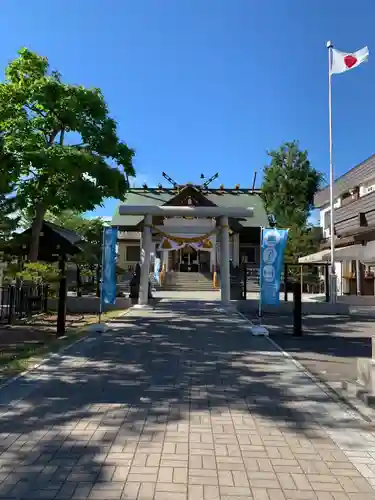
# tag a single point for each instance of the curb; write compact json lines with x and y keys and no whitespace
{"x":57,"y":354}
{"x":358,"y":410}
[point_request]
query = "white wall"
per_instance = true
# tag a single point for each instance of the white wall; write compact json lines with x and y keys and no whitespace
{"x":342,"y":268}
{"x":367,"y":187}
{"x":323,"y":211}
{"x":339,"y":266}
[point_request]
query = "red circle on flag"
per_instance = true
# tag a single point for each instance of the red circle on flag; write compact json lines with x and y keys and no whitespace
{"x":350,"y":61}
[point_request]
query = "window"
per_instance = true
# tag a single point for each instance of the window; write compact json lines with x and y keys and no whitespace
{"x":362,"y":219}
{"x":133,"y":253}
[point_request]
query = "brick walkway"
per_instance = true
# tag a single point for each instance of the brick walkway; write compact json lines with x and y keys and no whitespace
{"x":179,"y":403}
{"x":330,"y":345}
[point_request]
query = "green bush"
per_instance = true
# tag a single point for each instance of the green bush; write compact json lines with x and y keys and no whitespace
{"x":38,"y":273}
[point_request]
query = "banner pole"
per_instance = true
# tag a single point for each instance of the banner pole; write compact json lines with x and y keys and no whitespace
{"x":101,"y":278}
{"x":260,"y":272}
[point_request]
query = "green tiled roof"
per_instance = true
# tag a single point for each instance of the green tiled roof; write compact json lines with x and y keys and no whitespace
{"x":221,"y":198}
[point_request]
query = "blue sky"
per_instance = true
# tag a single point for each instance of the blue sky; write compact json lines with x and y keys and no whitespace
{"x":205,"y":86}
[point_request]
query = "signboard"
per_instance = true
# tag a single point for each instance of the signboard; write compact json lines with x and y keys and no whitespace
{"x":271,"y":263}
{"x":109,"y":282}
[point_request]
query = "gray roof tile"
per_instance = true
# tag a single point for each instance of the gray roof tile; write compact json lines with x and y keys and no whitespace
{"x":227,"y":198}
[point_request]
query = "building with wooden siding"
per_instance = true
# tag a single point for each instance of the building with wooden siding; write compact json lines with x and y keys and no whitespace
{"x":354,"y":223}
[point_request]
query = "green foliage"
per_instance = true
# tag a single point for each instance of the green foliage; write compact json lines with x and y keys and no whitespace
{"x":39,"y":272}
{"x":288,"y":188}
{"x":86,"y":272}
{"x":289,"y":185}
{"x":8,"y":222}
{"x":65,"y":151}
{"x":301,"y":241}
{"x":90,"y":230}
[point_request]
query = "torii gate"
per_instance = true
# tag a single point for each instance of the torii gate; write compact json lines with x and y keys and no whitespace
{"x":185,"y":211}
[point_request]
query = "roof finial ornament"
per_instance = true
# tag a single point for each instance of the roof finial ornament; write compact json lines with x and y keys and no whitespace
{"x":169,"y":179}
{"x":208,"y":181}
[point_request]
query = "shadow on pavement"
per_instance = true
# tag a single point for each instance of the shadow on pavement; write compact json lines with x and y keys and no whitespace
{"x":330,"y":345}
{"x":80,"y":411}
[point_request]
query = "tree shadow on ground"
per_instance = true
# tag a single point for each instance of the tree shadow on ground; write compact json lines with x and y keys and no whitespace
{"x":330,"y":344}
{"x":128,"y":388}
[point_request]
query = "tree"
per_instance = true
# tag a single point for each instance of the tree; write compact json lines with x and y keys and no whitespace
{"x":301,"y":241}
{"x":289,"y":185}
{"x":8,"y":220}
{"x":65,"y":145}
{"x":91,"y":231}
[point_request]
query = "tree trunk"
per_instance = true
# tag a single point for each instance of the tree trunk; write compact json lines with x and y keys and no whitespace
{"x":36,"y":229}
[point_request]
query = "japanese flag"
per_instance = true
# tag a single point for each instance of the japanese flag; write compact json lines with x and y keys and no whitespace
{"x":343,"y":61}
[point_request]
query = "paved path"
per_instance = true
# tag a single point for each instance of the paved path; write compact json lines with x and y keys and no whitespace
{"x":179,"y":403}
{"x":330,"y":345}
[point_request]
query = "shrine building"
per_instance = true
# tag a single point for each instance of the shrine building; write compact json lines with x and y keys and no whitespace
{"x":187,"y":244}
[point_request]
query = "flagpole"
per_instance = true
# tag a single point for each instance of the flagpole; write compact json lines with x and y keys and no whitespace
{"x":331,"y":179}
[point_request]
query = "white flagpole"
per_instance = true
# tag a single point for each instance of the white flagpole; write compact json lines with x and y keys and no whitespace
{"x":331,"y":179}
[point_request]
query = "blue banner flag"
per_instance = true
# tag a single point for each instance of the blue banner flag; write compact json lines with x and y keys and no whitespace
{"x":157,"y":270}
{"x":109,"y":282}
{"x":271,"y":263}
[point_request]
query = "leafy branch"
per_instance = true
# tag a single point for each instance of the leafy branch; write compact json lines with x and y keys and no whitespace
{"x":64,"y":145}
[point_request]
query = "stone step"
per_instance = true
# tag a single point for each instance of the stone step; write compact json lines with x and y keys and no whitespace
{"x":187,"y":277}
{"x":187,"y":289}
{"x":208,"y":283}
{"x":177,"y":281}
{"x":170,"y":280}
{"x":189,"y":285}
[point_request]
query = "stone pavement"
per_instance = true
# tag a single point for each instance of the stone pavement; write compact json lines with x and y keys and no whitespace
{"x":330,"y":345}
{"x":179,"y":403}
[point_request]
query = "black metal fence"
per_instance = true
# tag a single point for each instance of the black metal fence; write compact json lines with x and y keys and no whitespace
{"x":312,"y":278}
{"x":243,"y":280}
{"x":22,"y":301}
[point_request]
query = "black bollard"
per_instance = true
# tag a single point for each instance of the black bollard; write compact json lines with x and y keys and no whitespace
{"x":297,"y":309}
{"x":45,"y":298}
{"x":61,"y":306}
{"x":285,"y":282}
{"x":79,"y":282}
{"x":326,"y":281}
{"x":11,"y":302}
{"x":244,"y":296}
